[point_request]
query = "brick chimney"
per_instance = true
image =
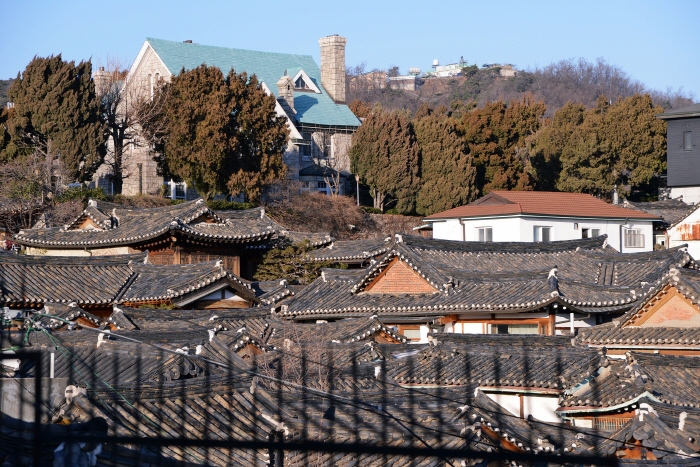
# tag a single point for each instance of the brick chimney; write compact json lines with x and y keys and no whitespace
{"x":285,"y":93}
{"x":333,"y":66}
{"x":101,"y":79}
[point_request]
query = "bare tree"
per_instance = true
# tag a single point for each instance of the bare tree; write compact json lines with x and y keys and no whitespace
{"x":127,"y":106}
{"x":329,"y":161}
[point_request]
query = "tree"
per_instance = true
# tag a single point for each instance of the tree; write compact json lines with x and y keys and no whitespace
{"x":496,"y":135}
{"x":289,"y":261}
{"x":126,"y":108}
{"x":57,"y":115}
{"x":322,"y":158}
{"x":222,"y":133}
{"x":619,"y":144}
{"x":447,"y":169}
{"x":386,"y":157}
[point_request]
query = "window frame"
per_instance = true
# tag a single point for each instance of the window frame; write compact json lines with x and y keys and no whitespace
{"x":687,"y":142}
{"x":537,"y":234}
{"x":481,"y":234}
{"x":636,"y":234}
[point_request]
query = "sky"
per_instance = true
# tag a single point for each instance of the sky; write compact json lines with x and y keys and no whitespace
{"x":655,"y":42}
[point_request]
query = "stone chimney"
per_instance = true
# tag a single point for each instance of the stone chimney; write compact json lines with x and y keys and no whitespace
{"x":333,"y":66}
{"x":285,"y":93}
{"x":101,"y":79}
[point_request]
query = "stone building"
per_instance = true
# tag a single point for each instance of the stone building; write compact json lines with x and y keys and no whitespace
{"x":312,"y":99}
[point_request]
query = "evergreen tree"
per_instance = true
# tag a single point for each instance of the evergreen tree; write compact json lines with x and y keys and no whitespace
{"x":619,"y":144}
{"x":222,"y":133}
{"x":447,"y":169}
{"x":496,"y":135}
{"x":289,"y":261}
{"x":386,"y":157}
{"x":57,"y":114}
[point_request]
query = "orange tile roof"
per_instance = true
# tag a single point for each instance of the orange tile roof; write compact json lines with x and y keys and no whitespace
{"x":547,"y":203}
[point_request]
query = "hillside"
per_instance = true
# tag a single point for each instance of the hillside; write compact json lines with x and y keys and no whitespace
{"x":565,"y":81}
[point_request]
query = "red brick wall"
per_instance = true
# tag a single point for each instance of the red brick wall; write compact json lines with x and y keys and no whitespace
{"x":400,"y":278}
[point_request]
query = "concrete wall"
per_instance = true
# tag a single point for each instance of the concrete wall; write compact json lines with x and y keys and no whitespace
{"x":522,"y":229}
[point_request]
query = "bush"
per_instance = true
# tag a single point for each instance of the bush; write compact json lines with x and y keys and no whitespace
{"x":223,"y":205}
{"x":371,"y":210}
{"x":81,"y":194}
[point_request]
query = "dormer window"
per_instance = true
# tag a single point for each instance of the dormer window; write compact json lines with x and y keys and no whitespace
{"x":300,"y":84}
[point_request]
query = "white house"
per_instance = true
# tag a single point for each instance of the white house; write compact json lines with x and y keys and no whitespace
{"x":537,"y":216}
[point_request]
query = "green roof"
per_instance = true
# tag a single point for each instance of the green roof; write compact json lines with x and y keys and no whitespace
{"x":311,"y":108}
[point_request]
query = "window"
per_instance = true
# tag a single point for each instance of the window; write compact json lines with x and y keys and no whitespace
{"x":300,"y":83}
{"x":634,"y":238}
{"x":687,"y":140}
{"x":484,"y":234}
{"x":590,"y":233}
{"x":410,"y":332}
{"x":176,"y":190}
{"x":515,"y":329}
{"x":305,"y":146}
{"x":609,"y":423}
{"x":543,"y":234}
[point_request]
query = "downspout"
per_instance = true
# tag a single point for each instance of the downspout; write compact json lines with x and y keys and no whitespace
{"x":464,"y":232}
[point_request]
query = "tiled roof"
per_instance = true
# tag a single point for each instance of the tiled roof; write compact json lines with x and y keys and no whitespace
{"x":690,"y":111}
{"x":622,"y":331}
{"x":477,"y":277}
{"x":103,"y":280}
{"x":557,"y":204}
{"x":499,"y":363}
{"x":671,"y":211}
{"x":310,"y":107}
{"x":131,"y":226}
{"x":619,"y":383}
{"x":352,"y":251}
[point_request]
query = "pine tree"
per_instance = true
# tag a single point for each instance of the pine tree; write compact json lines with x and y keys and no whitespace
{"x":386,"y":157}
{"x":447,"y":169}
{"x":222,"y":133}
{"x":57,"y":114}
{"x":289,"y":261}
{"x":496,"y":135}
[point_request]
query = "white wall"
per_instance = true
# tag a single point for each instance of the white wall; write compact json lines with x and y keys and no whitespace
{"x":522,"y":229}
{"x":682,"y":234}
{"x":690,"y":194}
{"x":542,"y":407}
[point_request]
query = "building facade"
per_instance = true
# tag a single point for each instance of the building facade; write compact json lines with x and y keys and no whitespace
{"x":528,"y":216}
{"x":682,"y":135}
{"x":309,"y":97}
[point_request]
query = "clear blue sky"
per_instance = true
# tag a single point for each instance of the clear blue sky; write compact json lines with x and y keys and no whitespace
{"x":655,"y":42}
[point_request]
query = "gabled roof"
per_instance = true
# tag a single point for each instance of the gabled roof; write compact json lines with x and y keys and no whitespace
{"x":311,"y":108}
{"x":684,"y":112}
{"x":620,"y":383}
{"x":625,"y":332}
{"x":671,"y":211}
{"x":103,"y":280}
{"x":486,"y":277}
{"x":541,"y":203}
{"x":119,"y":225}
{"x":352,"y":251}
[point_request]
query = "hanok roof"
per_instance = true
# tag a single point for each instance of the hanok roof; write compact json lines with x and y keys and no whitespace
{"x":541,"y":203}
{"x":103,"y":280}
{"x":311,"y":108}
{"x":104,"y":224}
{"x":460,"y":277}
{"x":684,"y":112}
{"x":620,"y":383}
{"x":671,"y":332}
{"x":547,"y":363}
{"x":670,"y":211}
{"x":352,"y":251}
